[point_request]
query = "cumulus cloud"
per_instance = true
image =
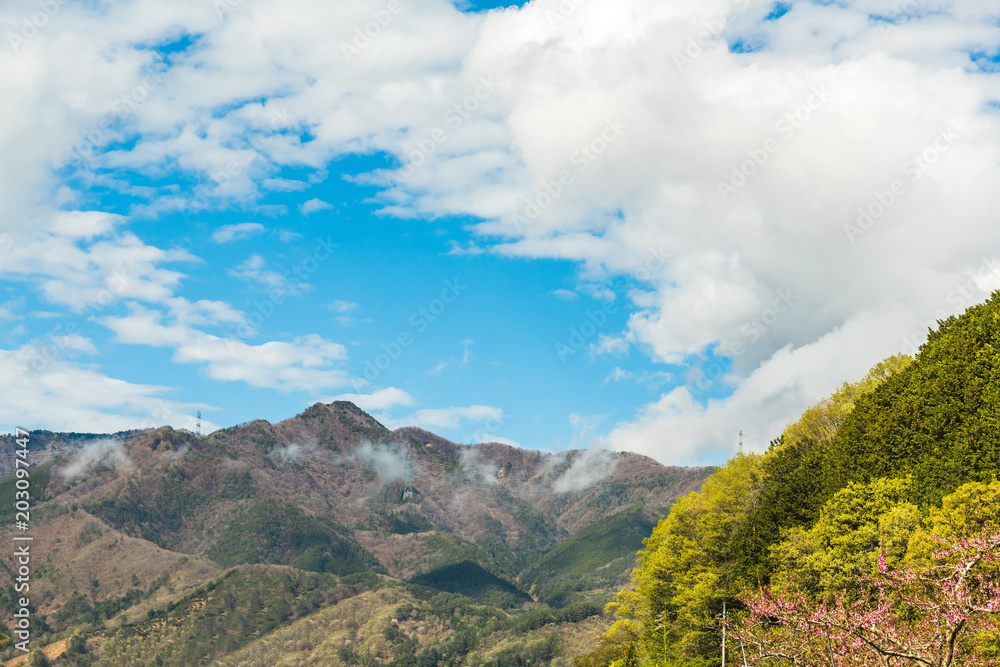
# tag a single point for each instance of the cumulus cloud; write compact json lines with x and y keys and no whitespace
{"x":110,"y":451}
{"x":237,"y":232}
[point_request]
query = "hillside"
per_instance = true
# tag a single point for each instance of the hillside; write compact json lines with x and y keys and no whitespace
{"x":885,"y":475}
{"x":140,"y":539}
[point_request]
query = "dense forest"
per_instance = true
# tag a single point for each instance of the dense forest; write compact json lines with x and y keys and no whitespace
{"x":866,"y":534}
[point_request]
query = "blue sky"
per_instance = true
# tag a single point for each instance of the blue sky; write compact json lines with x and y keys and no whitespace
{"x":584,"y":223}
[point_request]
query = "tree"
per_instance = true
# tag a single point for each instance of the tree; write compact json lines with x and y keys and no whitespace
{"x":682,"y":575}
{"x":929,"y":616}
{"x":844,"y":542}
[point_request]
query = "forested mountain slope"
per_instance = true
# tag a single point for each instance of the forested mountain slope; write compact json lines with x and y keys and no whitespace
{"x":901,"y":461}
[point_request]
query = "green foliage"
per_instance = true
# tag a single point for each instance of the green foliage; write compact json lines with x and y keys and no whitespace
{"x":597,"y":556}
{"x":536,"y":535}
{"x":596,"y":545}
{"x":272,"y":531}
{"x":794,"y":488}
{"x":534,"y":653}
{"x":537,"y":618}
{"x":404,"y":523}
{"x":858,"y":522}
{"x":156,"y":509}
{"x":683,"y":574}
{"x":470,"y":579}
{"x":938,"y":419}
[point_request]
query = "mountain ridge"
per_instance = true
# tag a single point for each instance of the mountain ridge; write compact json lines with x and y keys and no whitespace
{"x":333,"y":492}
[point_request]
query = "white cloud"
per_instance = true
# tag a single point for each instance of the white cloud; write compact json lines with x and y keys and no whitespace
{"x":237,"y":232}
{"x":76,"y":343}
{"x":680,"y":429}
{"x":253,"y":271}
{"x":445,"y":418}
{"x":50,"y":392}
{"x":382,"y":399}
{"x":650,"y":378}
{"x":565,"y":294}
{"x":84,"y":224}
{"x":285,"y":185}
{"x":314,"y":205}
{"x":303,"y":363}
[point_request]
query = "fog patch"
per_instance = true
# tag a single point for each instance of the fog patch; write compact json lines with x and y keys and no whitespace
{"x":236,"y":465}
{"x":108,"y":451}
{"x":390,"y":462}
{"x":479,"y":471}
{"x":180,"y":452}
{"x":586,"y":468}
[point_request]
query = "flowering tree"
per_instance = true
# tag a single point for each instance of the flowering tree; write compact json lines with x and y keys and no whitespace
{"x":930,"y":616}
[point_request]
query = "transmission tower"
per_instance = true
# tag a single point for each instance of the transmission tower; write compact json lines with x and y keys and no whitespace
{"x":741,"y":441}
{"x":197,"y":427}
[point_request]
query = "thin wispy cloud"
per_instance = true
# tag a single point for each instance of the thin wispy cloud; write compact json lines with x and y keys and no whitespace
{"x":237,"y":232}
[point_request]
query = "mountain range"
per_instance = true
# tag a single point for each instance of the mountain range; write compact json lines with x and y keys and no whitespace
{"x":405,"y":547}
